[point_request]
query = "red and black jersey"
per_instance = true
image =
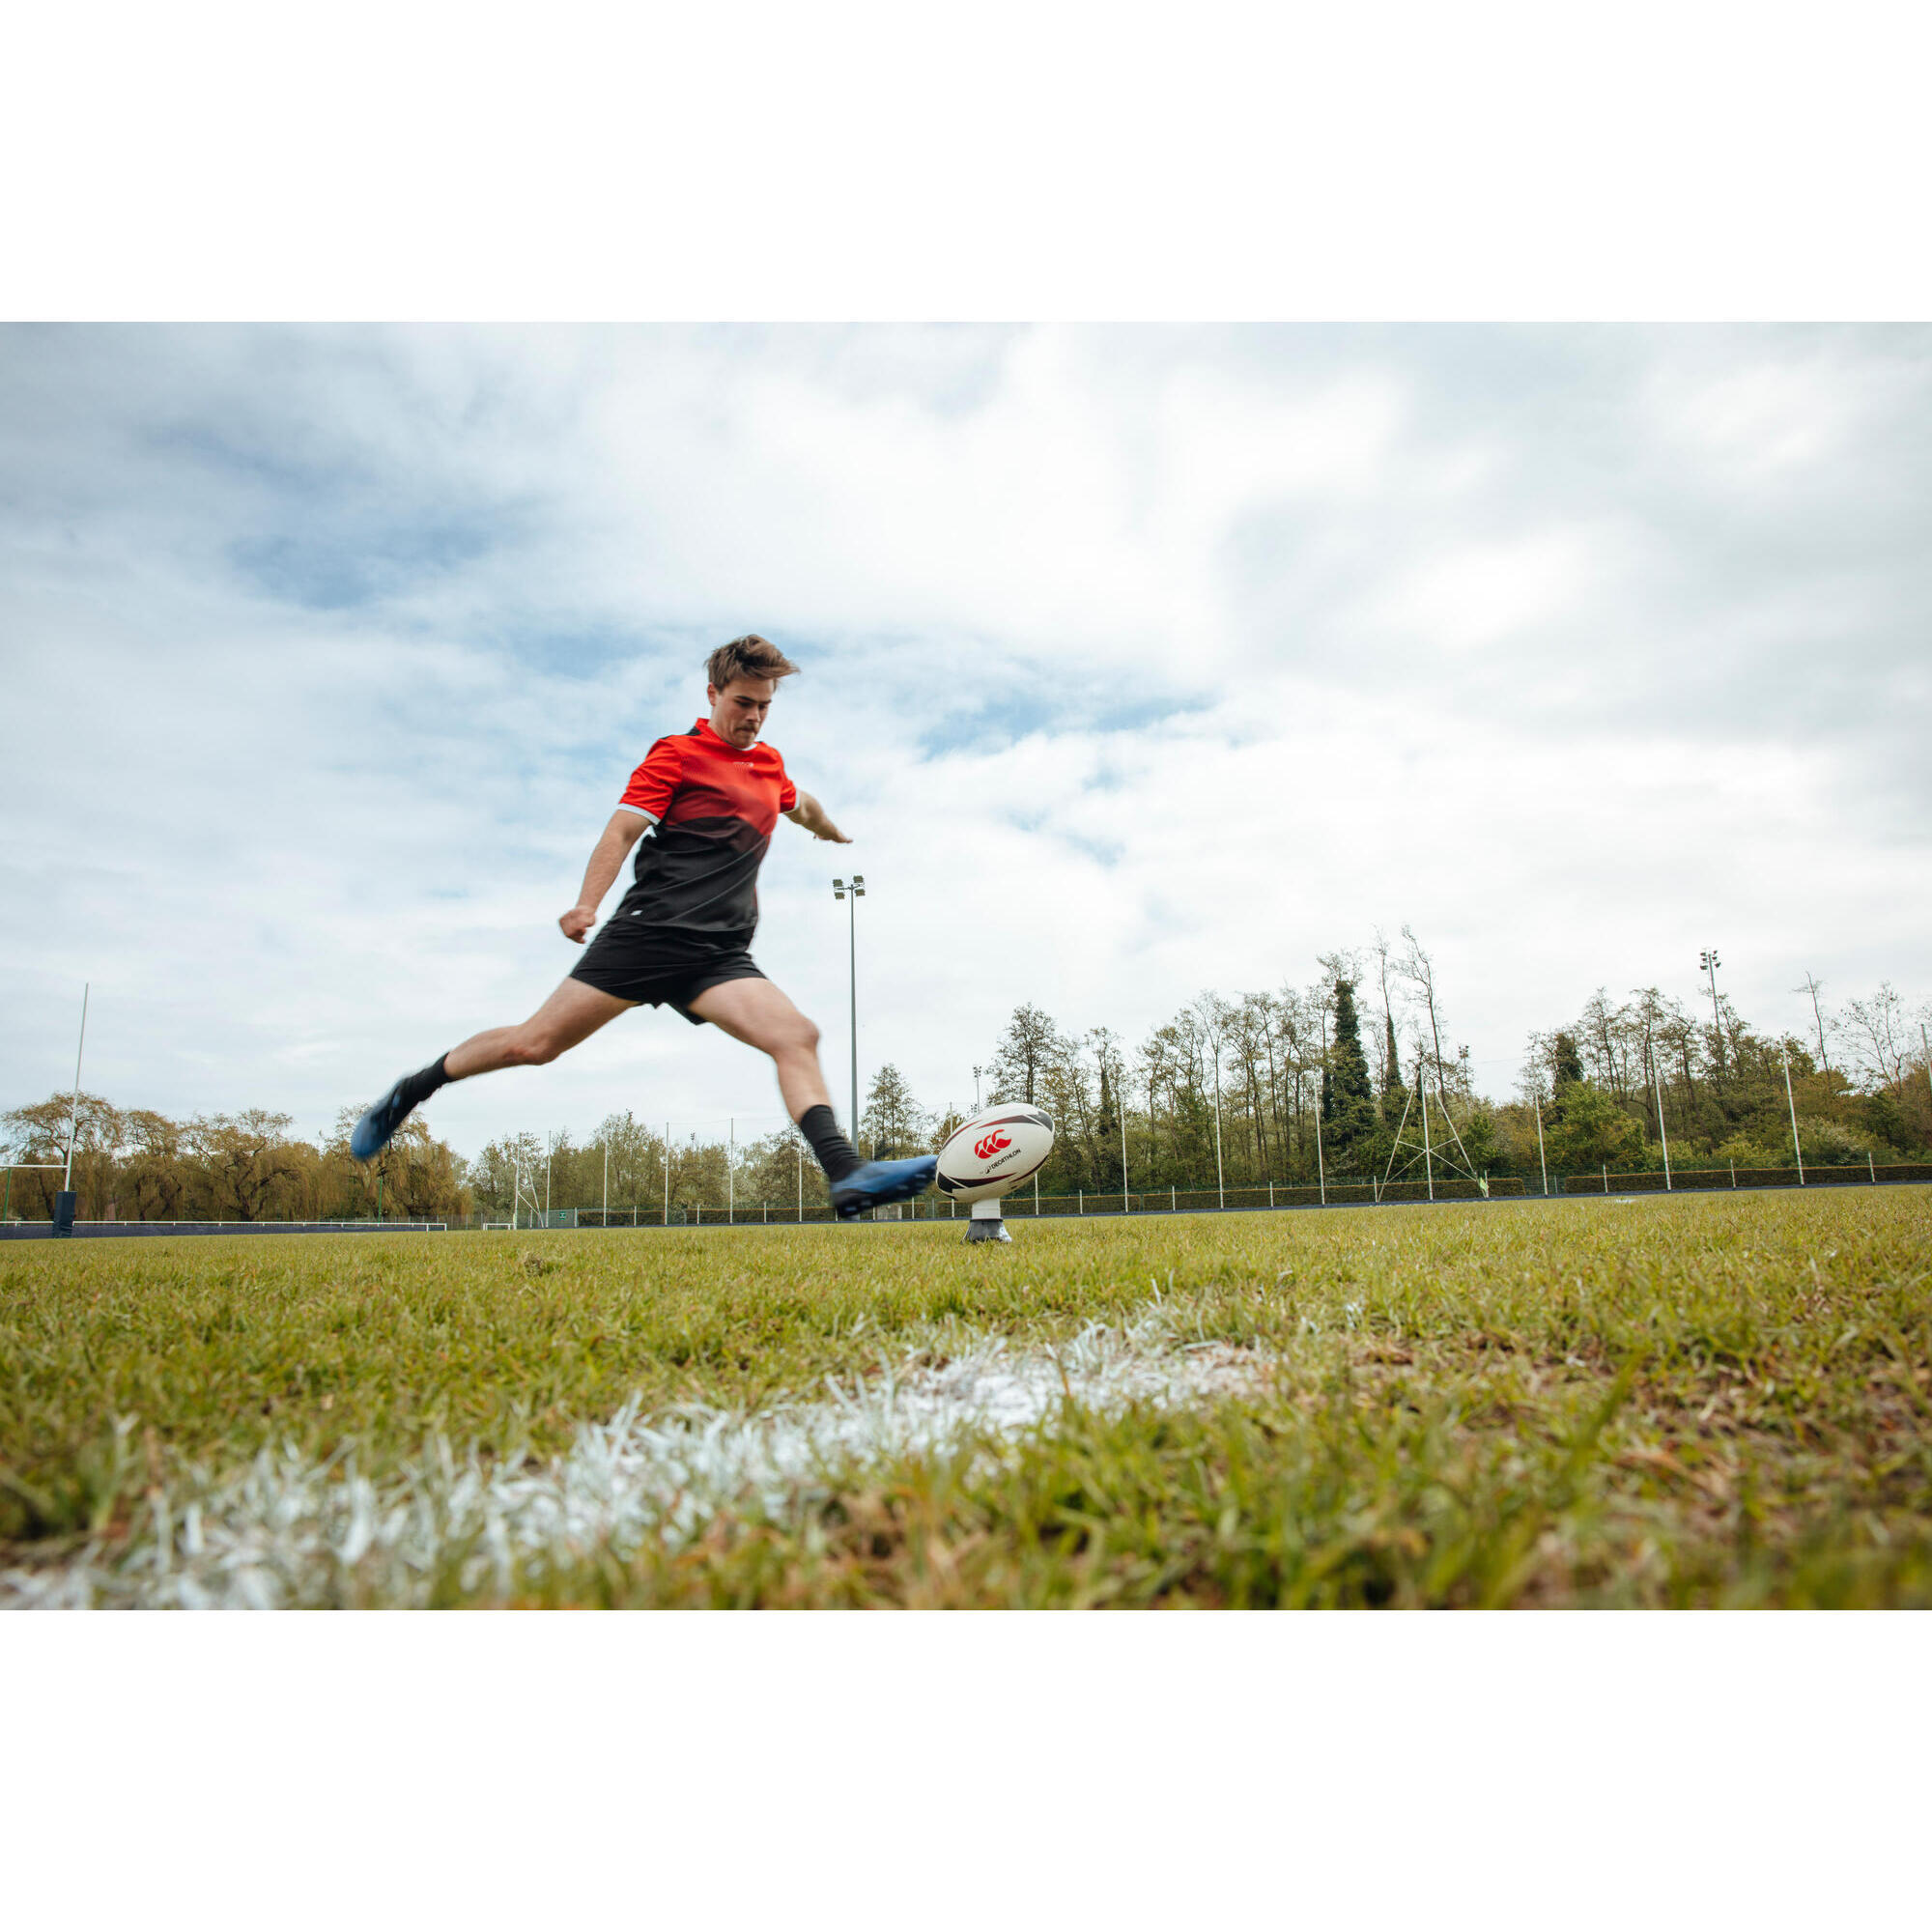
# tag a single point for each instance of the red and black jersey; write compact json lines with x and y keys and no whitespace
{"x":711,"y":808}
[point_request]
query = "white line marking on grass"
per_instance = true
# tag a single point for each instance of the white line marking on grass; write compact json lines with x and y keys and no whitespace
{"x":289,"y":1531}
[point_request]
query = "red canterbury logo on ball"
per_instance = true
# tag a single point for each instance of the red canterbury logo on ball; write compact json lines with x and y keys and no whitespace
{"x":986,"y":1149}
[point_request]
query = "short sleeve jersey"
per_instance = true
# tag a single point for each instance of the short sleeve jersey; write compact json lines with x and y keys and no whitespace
{"x":712,"y":810}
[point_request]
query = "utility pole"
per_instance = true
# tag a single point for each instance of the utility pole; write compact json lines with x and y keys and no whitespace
{"x":1797,"y":1148}
{"x":1220,"y":1179}
{"x":857,"y":892}
{"x":1657,"y":1088}
{"x":1321,"y":1089}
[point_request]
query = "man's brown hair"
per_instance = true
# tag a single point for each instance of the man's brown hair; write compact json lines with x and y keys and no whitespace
{"x":748,"y":656}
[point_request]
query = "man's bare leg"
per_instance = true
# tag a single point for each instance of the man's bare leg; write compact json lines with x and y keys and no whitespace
{"x":569,"y":1016}
{"x":758,"y":1013}
{"x":566,"y":1019}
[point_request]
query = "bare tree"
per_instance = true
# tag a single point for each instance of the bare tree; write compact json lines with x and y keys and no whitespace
{"x":1876,"y":1030}
{"x":1419,"y":970}
{"x":1815,"y":986}
{"x":1214,"y":1017}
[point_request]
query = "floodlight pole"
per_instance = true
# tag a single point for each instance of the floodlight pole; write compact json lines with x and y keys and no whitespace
{"x":73,"y":1119}
{"x":977,"y":1072}
{"x":1540,"y":1160}
{"x":667,"y":1220}
{"x":731,"y":1169}
{"x":607,"y":1182}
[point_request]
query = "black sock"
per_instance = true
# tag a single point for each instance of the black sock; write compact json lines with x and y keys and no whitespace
{"x":834,"y":1150}
{"x":418,"y":1086}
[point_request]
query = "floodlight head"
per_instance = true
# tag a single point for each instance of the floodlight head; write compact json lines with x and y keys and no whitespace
{"x":838,"y":885}
{"x":857,"y":879}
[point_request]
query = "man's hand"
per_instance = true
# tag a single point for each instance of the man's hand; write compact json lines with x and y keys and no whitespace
{"x":810,"y":814}
{"x":578,"y":920}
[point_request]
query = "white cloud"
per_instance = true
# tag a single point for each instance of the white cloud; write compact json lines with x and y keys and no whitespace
{"x":1476,"y":595}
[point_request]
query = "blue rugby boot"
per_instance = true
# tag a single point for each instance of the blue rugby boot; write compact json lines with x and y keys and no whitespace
{"x":878,"y":1184}
{"x":375,"y":1130}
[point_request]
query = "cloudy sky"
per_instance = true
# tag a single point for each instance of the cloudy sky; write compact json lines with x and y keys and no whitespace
{"x":1139,"y":661}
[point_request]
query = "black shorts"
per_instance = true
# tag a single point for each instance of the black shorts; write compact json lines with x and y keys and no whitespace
{"x":655,"y":966}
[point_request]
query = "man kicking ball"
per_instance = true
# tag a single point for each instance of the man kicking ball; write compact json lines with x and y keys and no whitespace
{"x":703,"y":804}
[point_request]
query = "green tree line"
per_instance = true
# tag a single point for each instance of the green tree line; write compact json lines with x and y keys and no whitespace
{"x":1283,"y":1085}
{"x":136,"y":1165}
{"x":1289,"y":1084}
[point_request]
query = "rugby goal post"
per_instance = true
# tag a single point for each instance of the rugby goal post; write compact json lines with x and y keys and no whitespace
{"x":519,"y":1193}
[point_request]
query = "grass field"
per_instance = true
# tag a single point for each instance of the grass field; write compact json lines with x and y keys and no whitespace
{"x":1695,"y":1402}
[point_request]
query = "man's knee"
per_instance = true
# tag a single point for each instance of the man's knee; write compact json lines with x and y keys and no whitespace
{"x":531,"y":1048}
{"x":794,"y":1035}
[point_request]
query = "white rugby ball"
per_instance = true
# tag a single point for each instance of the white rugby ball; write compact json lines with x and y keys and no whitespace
{"x":994,"y":1152}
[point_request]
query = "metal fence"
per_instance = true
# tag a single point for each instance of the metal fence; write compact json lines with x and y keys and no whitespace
{"x":1343,"y":1192}
{"x":1717,"y":1179}
{"x":42,"y":1230}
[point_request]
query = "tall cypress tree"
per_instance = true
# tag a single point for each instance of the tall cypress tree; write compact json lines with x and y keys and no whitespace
{"x":1566,"y":1063}
{"x":1394,"y":1096}
{"x":1347,"y":1104}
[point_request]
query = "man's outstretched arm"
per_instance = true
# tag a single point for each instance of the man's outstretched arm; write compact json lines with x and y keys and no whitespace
{"x":810,"y":814}
{"x":623,"y":832}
